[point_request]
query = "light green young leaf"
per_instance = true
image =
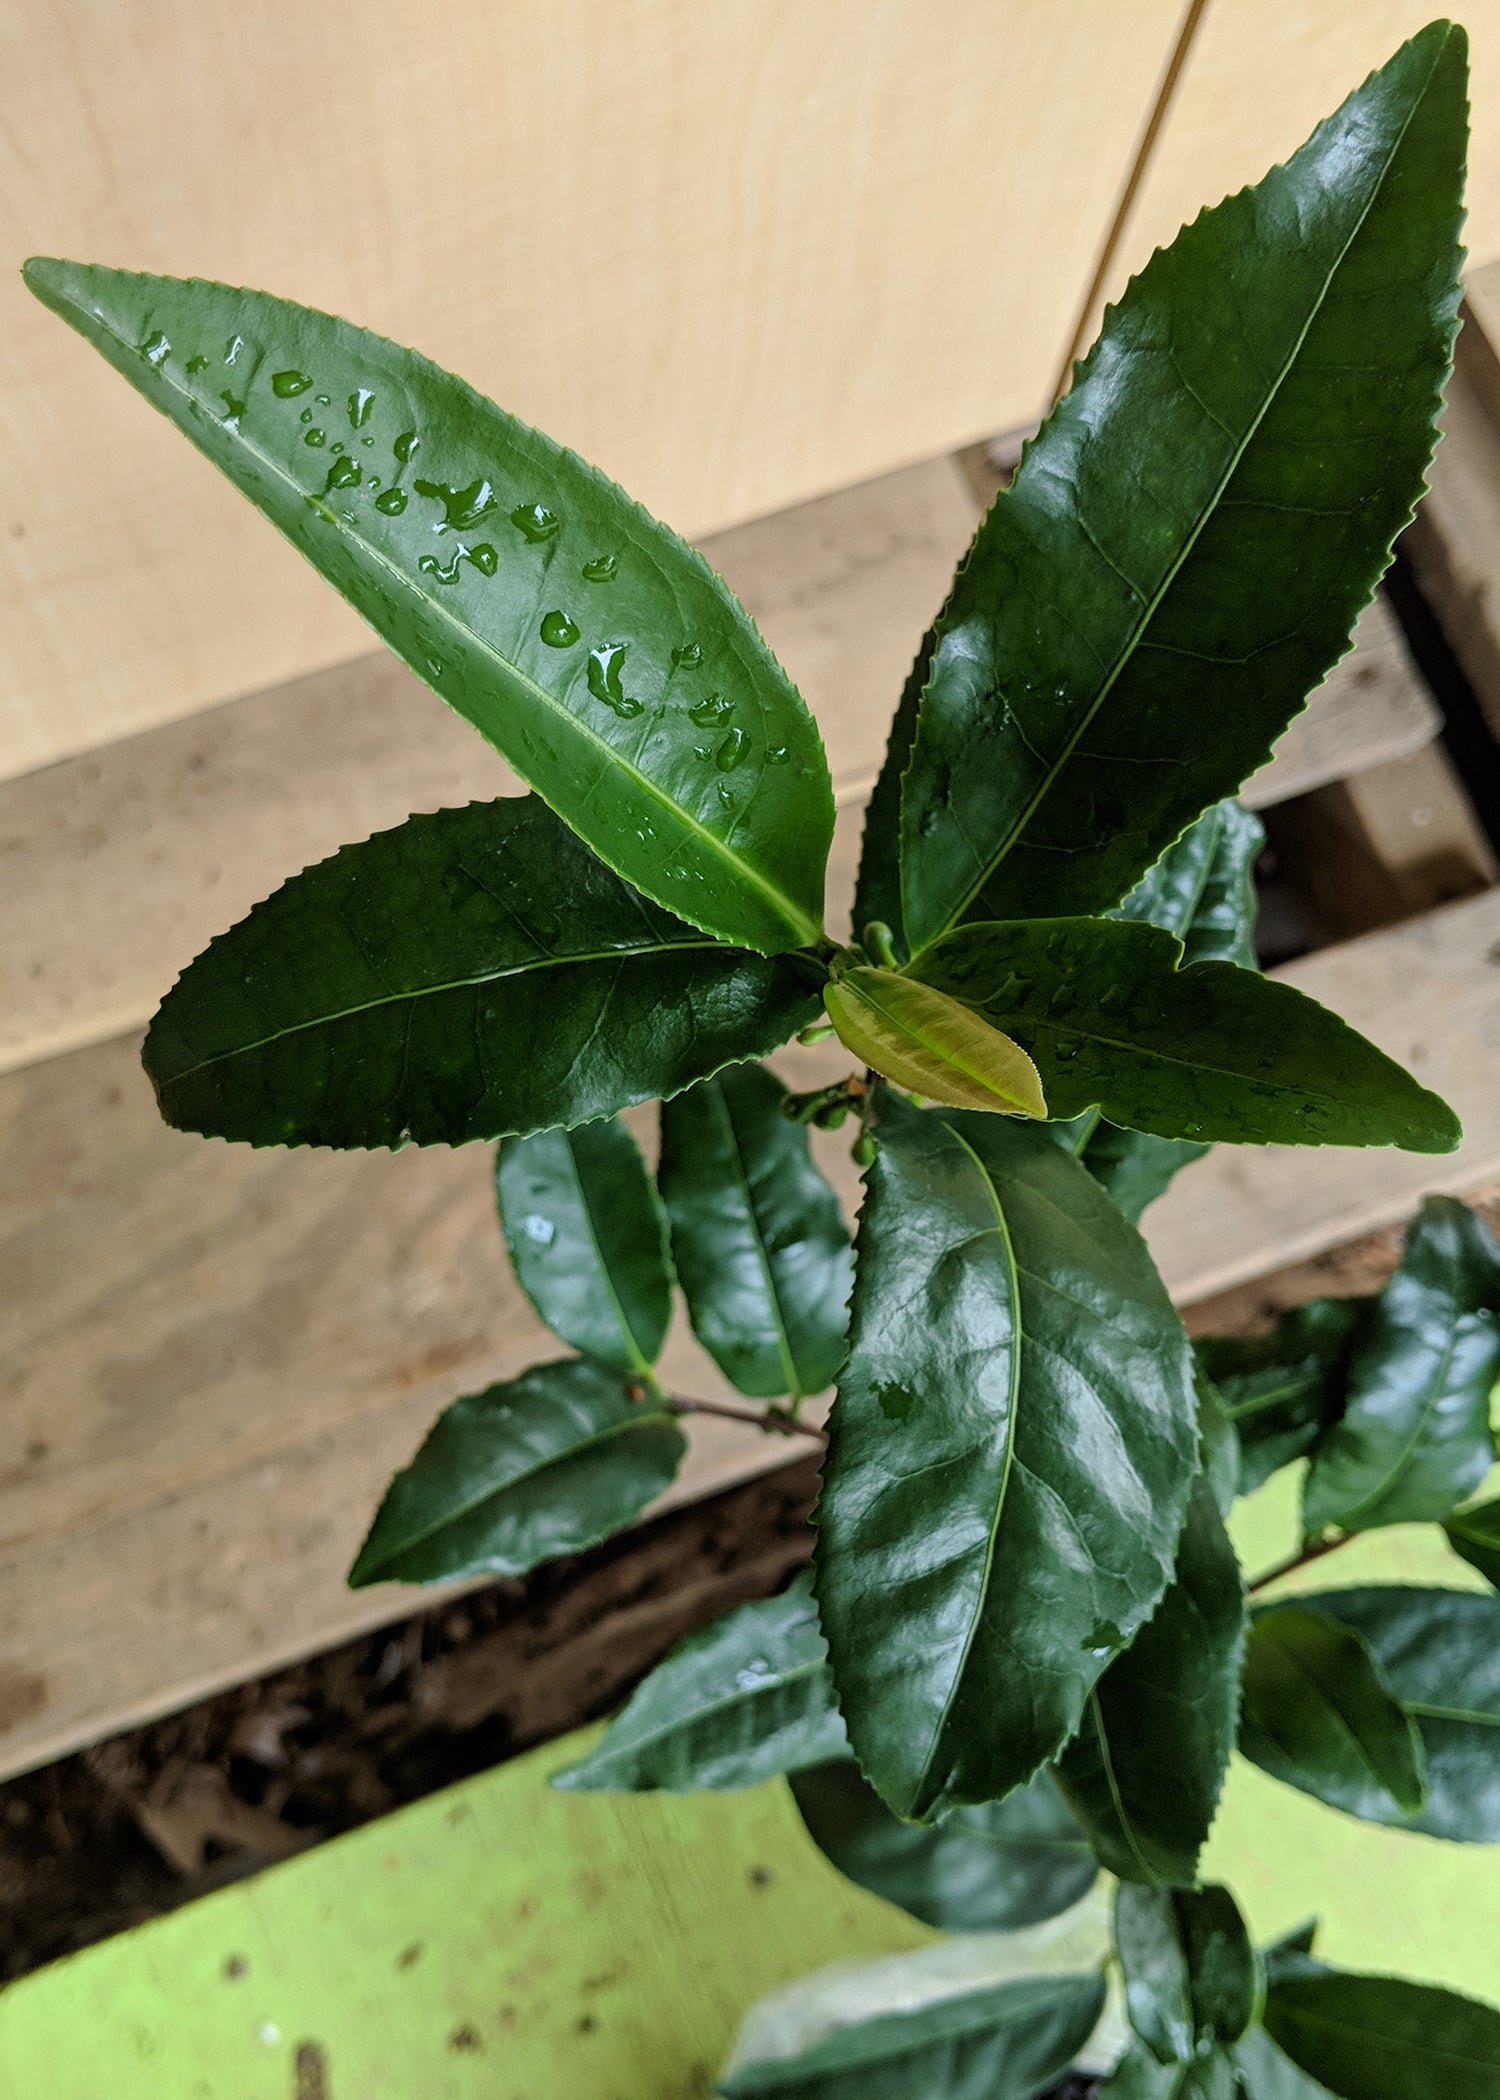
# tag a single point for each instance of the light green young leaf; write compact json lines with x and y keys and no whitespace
{"x":1381,"y":2038}
{"x":1414,"y":1438}
{"x":1438,"y":1654}
{"x":587,"y":642}
{"x":760,"y":1242}
{"x":1009,"y":2038}
{"x":1474,"y":1534}
{"x":587,"y":1237}
{"x":467,"y":975}
{"x":1009,"y":1457}
{"x":992,"y":1868}
{"x":1186,"y":546}
{"x":931,"y":1045}
{"x":1317,"y":1715}
{"x":1283,"y":1389}
{"x":1192,"y":1978}
{"x":1210,"y":1052}
{"x":549,"y":1463}
{"x":1145,"y":1771}
{"x":743,"y":1699}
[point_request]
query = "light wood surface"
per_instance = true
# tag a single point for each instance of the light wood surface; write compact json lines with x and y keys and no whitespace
{"x":120,"y":865}
{"x":739,"y":255}
{"x":216,"y":1356}
{"x":1259,"y":75}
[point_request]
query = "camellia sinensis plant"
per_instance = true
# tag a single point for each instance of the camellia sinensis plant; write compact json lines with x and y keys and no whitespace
{"x":1025,"y":1646}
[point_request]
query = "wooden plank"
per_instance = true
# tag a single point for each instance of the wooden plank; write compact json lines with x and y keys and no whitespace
{"x":217,"y":1355}
{"x":120,"y":865}
{"x":1372,"y":708}
{"x":1454,"y":541}
{"x":738,"y":255}
{"x":1259,"y":76}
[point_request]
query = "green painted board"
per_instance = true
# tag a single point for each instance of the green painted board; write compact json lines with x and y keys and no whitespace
{"x":502,"y":1942}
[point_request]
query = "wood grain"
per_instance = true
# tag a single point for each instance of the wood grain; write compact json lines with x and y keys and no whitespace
{"x":1259,"y":76}
{"x":737,"y":255}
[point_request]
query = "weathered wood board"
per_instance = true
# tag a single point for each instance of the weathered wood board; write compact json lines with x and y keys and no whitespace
{"x":737,"y":255}
{"x":215,"y":1356}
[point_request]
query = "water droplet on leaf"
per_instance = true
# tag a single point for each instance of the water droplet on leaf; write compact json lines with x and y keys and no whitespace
{"x":287,"y":385}
{"x":732,"y":751}
{"x":601,"y":569}
{"x":314,"y":437}
{"x":392,"y":503}
{"x":689,"y":655}
{"x":406,"y":445}
{"x":198,"y":363}
{"x":558,"y":631}
{"x":361,"y":401}
{"x":711,"y":710}
{"x":343,"y":474}
{"x":233,"y":348}
{"x":461,"y":507}
{"x":156,"y":349}
{"x":605,"y":666}
{"x":536,"y":522}
{"x":539,"y":1229}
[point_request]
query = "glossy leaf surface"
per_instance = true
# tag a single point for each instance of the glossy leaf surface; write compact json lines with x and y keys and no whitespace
{"x":1202,"y":890}
{"x":1192,"y":1978}
{"x":1475,"y":1534}
{"x":1317,"y":1715}
{"x":1414,"y":1438}
{"x":1144,"y":1773}
{"x":742,"y":1700}
{"x":759,"y":1239}
{"x":549,"y":1463}
{"x":1186,"y":545}
{"x":1011,"y":2038}
{"x":587,"y":1238}
{"x":931,"y":1044}
{"x":1138,"y":2076}
{"x":1284,"y":1388}
{"x":1211,"y":1052}
{"x":877,"y":890}
{"x":1268,"y":2073}
{"x":1219,"y":1445}
{"x":588,"y":643}
{"x":467,"y":975}
{"x":1381,"y":2038}
{"x":1438,"y":1653}
{"x":992,"y":1868}
{"x":1009,"y":1459}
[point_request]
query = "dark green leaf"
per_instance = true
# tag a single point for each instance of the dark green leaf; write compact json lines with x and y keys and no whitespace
{"x":1286,"y":1956}
{"x":1414,"y":1438}
{"x":1219,"y":1444}
{"x":760,"y":1242}
{"x":600,"y":654}
{"x":992,"y":1868}
{"x":1202,"y":890}
{"x":1132,"y":1166}
{"x":1475,"y":1535}
{"x":467,"y":975}
{"x":877,"y":892}
{"x":930,"y":1044}
{"x":740,"y":1701}
{"x":1438,"y":1652}
{"x":549,"y":1463}
{"x":1380,"y":2038}
{"x":1317,"y":1715}
{"x":1203,"y":887}
{"x":1144,"y":1773}
{"x":1267,"y":2074}
{"x":1014,"y":2039}
{"x":588,"y":1239}
{"x":1283,"y":1389}
{"x":1184,"y":549}
{"x":1138,"y":2076}
{"x":1009,"y":1460}
{"x":1210,"y":1052}
{"x":1192,"y":1977}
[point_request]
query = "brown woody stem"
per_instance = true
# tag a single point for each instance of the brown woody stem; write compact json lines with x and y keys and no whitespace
{"x":1313,"y":1550}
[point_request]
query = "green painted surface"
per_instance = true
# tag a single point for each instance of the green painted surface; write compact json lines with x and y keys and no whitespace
{"x":503,"y":1942}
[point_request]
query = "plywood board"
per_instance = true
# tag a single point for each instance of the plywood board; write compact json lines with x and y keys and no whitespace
{"x":215,"y":1356}
{"x":1259,"y":76}
{"x":737,"y":255}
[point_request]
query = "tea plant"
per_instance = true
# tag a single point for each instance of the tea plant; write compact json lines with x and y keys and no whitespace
{"x":1025,"y":1647}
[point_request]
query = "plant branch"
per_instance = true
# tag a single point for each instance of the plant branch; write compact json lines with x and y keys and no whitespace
{"x":1313,"y":1550}
{"x":774,"y":1421}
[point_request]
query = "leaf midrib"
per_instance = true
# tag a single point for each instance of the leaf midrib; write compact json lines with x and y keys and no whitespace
{"x":1149,"y":611}
{"x":804,"y":929}
{"x":436,"y":991}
